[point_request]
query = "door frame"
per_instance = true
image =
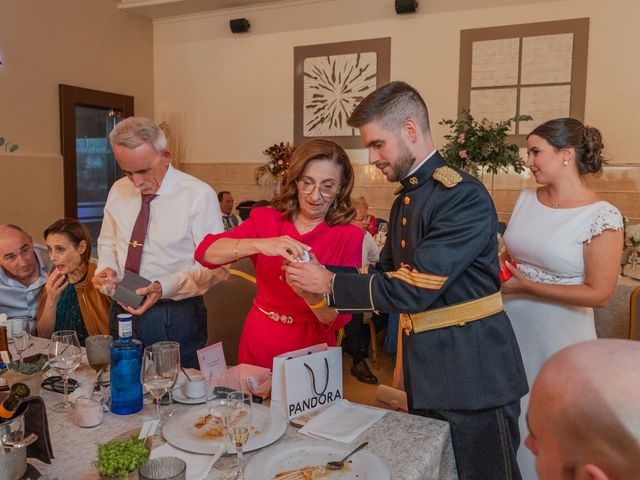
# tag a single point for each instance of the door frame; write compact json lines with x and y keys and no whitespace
{"x":70,"y":97}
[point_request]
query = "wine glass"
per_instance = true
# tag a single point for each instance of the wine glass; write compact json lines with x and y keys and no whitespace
{"x":64,"y":357}
{"x":176,"y":346}
{"x":98,"y":353}
{"x":159,"y":371}
{"x":20,"y":333}
{"x":217,"y":399}
{"x":239,"y":426}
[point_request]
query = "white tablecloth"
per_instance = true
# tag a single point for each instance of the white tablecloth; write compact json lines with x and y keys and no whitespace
{"x":413,"y":447}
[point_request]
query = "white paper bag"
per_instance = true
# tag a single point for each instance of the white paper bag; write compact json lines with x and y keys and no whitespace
{"x":307,"y":379}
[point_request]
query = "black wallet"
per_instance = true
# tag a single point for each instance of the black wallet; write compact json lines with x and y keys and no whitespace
{"x":126,"y":291}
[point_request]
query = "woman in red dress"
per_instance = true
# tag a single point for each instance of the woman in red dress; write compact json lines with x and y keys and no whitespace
{"x":312,"y":215}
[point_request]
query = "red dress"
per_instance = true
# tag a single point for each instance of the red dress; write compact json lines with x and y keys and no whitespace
{"x":264,"y":338}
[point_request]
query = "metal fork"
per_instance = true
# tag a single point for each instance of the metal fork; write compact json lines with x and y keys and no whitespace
{"x":299,"y":474}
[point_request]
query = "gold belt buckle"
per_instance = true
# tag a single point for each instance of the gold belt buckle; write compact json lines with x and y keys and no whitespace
{"x":405,"y":323}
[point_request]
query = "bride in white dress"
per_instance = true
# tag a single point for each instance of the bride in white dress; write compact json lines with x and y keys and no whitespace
{"x":567,"y":244}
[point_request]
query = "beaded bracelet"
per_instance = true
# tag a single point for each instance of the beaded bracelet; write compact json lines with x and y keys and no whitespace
{"x":235,"y":250}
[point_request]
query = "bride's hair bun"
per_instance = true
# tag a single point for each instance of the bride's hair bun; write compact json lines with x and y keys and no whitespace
{"x":569,"y":132}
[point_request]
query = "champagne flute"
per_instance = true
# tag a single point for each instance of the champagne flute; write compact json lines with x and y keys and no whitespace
{"x":64,"y":357}
{"x":176,"y":346}
{"x":20,"y":333}
{"x":239,"y":426}
{"x":98,"y":353}
{"x":159,"y":372}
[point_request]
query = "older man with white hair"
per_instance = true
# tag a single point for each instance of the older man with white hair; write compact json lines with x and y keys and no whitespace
{"x":153,"y":221}
{"x":584,"y":413}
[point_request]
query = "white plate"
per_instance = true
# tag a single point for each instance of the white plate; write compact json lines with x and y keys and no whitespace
{"x":180,"y":397}
{"x":269,"y":425}
{"x":363,"y":466}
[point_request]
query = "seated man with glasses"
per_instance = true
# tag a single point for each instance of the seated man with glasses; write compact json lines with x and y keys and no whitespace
{"x":313,"y":216}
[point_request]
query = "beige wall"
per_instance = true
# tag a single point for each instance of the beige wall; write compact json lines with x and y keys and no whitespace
{"x":83,"y":43}
{"x":232,"y":95}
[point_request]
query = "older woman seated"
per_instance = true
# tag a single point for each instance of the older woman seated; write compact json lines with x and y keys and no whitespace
{"x":313,"y":213}
{"x":70,"y":302}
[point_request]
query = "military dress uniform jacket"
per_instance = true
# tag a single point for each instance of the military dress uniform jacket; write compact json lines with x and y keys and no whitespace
{"x":441,"y":250}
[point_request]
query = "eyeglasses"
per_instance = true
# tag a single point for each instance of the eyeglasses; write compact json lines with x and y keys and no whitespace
{"x":306,"y":187}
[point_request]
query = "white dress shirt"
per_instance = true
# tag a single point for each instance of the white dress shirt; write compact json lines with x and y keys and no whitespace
{"x":184,"y":211}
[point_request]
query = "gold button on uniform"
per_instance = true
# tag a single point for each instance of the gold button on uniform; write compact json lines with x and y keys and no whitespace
{"x":407,"y":200}
{"x":403,"y":244}
{"x":404,"y":220}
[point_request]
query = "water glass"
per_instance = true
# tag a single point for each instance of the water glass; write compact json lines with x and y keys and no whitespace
{"x":20,"y":334}
{"x":98,"y":353}
{"x":217,"y":399}
{"x":175,"y":346}
{"x":65,"y":354}
{"x":163,"y":468}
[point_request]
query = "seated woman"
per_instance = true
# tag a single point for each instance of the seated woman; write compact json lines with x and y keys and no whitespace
{"x":363,"y":219}
{"x":70,"y":302}
{"x":312,"y":214}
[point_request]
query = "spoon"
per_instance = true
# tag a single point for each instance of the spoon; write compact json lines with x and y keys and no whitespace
{"x":339,"y":464}
{"x":185,"y":372}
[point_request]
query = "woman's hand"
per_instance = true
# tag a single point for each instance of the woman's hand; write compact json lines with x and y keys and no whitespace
{"x":284,"y":246}
{"x":518,"y":283}
{"x":56,"y":283}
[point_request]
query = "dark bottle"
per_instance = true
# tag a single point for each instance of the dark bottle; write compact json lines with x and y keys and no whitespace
{"x":19,"y":392}
{"x":4,"y":342}
{"x":126,"y":364}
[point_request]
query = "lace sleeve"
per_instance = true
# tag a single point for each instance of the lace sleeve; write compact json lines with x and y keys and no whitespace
{"x":607,"y":218}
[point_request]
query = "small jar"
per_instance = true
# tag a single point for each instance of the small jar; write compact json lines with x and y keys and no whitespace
{"x":88,"y":412}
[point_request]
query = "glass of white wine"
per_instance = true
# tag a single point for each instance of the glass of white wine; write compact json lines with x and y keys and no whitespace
{"x":65,"y":354}
{"x":239,"y":425}
{"x":159,"y":371}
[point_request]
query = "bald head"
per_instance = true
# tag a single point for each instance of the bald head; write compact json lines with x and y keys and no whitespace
{"x":17,"y":258}
{"x":587,"y":397}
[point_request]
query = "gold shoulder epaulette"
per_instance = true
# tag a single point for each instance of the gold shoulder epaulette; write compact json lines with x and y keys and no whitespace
{"x":447,"y":176}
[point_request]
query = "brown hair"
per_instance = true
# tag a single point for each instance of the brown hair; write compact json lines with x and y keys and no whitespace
{"x":391,"y":104}
{"x":341,"y":211}
{"x":571,"y":133}
{"x":74,"y":231}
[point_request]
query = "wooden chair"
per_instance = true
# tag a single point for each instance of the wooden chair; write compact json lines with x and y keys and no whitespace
{"x":228,"y":304}
{"x":634,"y":315}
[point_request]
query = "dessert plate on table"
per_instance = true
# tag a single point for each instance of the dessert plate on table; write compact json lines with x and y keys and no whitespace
{"x":307,"y":460}
{"x":197,"y":431}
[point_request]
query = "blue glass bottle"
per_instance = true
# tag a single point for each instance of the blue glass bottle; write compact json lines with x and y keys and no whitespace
{"x":126,"y":363}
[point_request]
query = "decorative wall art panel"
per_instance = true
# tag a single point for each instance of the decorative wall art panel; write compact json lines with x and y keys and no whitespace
{"x":330,"y":80}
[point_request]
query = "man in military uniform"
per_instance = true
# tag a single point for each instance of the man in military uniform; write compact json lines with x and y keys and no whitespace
{"x":439,"y":269}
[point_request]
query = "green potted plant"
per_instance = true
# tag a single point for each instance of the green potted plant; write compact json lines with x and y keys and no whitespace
{"x":478,"y":146}
{"x":120,"y":459}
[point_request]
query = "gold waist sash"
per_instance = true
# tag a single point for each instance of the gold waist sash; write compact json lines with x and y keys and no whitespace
{"x":452,"y":315}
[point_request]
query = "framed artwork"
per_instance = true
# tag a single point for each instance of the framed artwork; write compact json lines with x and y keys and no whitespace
{"x":329,"y":81}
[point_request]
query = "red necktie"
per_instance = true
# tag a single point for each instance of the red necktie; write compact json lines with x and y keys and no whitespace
{"x":134,"y":255}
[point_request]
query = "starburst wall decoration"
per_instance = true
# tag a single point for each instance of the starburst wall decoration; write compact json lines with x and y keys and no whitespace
{"x":330,"y":80}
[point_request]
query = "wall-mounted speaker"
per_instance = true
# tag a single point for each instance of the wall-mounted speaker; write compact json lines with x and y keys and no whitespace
{"x":406,"y":6}
{"x":239,"y":25}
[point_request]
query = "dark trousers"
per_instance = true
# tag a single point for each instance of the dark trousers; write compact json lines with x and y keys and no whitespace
{"x":356,"y":340}
{"x":182,"y":321}
{"x":485,"y":442}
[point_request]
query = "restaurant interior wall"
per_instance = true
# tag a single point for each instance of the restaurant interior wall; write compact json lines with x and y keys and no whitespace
{"x":42,"y":44}
{"x":233,"y":94}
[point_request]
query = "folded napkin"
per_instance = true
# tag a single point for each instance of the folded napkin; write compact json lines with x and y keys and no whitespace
{"x":198,"y":465}
{"x":35,"y":421}
{"x":343,"y":421}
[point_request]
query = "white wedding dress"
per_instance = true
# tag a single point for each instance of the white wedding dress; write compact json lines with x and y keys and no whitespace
{"x":547,"y":245}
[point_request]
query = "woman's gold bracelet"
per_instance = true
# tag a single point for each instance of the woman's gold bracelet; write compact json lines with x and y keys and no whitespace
{"x":319,"y":305}
{"x":235,"y":250}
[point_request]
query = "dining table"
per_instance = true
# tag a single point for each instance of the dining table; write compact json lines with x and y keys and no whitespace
{"x":412,"y":447}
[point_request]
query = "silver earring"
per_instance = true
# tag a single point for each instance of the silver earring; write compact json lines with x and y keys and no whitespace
{"x":565,"y":162}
